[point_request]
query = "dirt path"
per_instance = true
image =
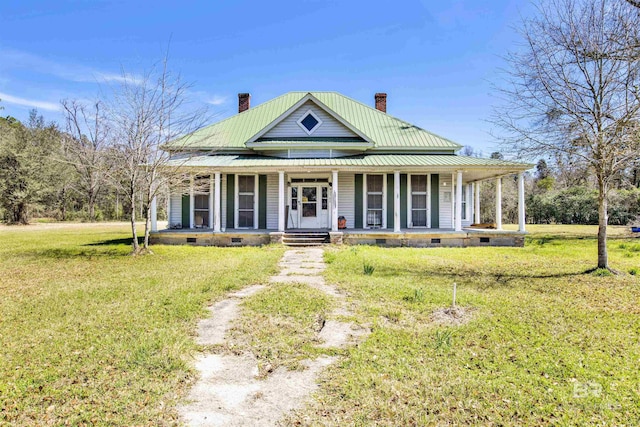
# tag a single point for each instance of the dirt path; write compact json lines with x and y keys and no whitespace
{"x":228,"y":392}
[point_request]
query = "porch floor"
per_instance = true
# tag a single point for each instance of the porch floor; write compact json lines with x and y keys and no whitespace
{"x":414,"y":237}
{"x":424,"y":231}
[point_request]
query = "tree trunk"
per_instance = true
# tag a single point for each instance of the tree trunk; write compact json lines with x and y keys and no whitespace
{"x":603,"y":219}
{"x":92,"y":210}
{"x":134,"y":231}
{"x":63,"y":205}
{"x":147,"y":229}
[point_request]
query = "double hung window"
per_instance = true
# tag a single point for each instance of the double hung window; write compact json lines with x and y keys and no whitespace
{"x":246,"y":201}
{"x":375,"y":189}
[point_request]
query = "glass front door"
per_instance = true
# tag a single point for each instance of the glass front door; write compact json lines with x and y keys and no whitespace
{"x":309,"y":202}
{"x":309,"y":206}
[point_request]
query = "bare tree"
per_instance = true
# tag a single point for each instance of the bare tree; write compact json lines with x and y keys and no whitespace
{"x":147,"y":113}
{"x":572,"y":91}
{"x":85,"y":147}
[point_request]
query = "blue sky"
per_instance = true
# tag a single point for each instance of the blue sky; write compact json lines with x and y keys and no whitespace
{"x":436,"y":60}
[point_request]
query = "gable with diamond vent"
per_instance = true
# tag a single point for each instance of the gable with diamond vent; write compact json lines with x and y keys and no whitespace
{"x":292,"y":123}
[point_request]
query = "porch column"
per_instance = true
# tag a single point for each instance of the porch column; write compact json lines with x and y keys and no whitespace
{"x":281,"y":201}
{"x":499,"y":203}
{"x":154,"y":214}
{"x":211,"y":201}
{"x":216,"y":202}
{"x":168,"y":209}
{"x":191,"y":203}
{"x":334,"y":201}
{"x":396,"y":201}
{"x":476,"y":203}
{"x":458,"y":219}
{"x":428,"y":200}
{"x":521,"y":219}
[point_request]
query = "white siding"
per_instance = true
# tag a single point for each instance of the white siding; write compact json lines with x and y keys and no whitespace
{"x":223,"y":201}
{"x":175,"y":209}
{"x":305,"y":153}
{"x":308,"y":154}
{"x":446,"y":207}
{"x":289,"y":126}
{"x":272,"y":201}
{"x":346,"y":197}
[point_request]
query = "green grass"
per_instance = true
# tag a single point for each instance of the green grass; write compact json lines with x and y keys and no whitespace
{"x":546,"y":345}
{"x":92,"y":336}
{"x":280,"y":325}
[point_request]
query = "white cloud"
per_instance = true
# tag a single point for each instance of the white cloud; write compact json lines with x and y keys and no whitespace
{"x":216,"y":100}
{"x":71,"y":72}
{"x":41,"y":105}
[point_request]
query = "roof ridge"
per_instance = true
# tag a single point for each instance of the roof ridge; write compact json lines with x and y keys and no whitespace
{"x":250,"y":109}
{"x":390,"y":116}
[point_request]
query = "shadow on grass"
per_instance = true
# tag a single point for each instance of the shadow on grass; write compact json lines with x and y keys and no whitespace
{"x":68,"y":253}
{"x":500,"y":279}
{"x":126,"y":241}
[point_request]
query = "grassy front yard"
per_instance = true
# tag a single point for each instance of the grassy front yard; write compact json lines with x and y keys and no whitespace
{"x":93,"y":336}
{"x":546,"y":345}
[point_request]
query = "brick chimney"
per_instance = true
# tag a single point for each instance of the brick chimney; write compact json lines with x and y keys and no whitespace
{"x":381,"y":102}
{"x":243,"y":102}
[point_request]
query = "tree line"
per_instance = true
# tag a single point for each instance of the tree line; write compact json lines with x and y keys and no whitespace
{"x":105,"y":162}
{"x":563,"y":193}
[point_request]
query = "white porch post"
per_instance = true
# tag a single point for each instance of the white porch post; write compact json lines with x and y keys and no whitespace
{"x":428,"y":200}
{"x":521,"y":219}
{"x":458,"y":214}
{"x":476,"y":203}
{"x":216,"y":203}
{"x":499,"y":203}
{"x":154,"y":214}
{"x":191,"y":203}
{"x":396,"y":201}
{"x":211,"y":201}
{"x":281,"y":201}
{"x":334,"y":201}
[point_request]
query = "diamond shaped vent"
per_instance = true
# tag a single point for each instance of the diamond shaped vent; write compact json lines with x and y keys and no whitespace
{"x":309,"y":122}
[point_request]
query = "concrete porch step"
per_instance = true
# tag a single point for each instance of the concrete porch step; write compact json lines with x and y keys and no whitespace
{"x":299,"y":238}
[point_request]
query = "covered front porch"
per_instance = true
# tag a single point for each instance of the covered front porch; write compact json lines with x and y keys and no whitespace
{"x":397,"y":208}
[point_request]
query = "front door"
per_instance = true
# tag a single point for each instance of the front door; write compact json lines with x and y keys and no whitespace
{"x":312,"y":206}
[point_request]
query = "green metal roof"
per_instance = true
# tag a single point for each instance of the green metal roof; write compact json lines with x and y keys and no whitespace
{"x":373,"y":160}
{"x":381,"y":129}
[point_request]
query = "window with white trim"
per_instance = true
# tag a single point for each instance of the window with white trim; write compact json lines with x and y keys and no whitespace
{"x":419,"y":200}
{"x":201,"y":201}
{"x":465,"y":188}
{"x":375,"y":199}
{"x":246,"y":201}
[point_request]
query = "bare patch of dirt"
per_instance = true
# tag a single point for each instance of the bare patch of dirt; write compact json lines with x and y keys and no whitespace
{"x":452,"y":316}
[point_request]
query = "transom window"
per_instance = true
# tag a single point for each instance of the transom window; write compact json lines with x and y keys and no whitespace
{"x":309,"y":122}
